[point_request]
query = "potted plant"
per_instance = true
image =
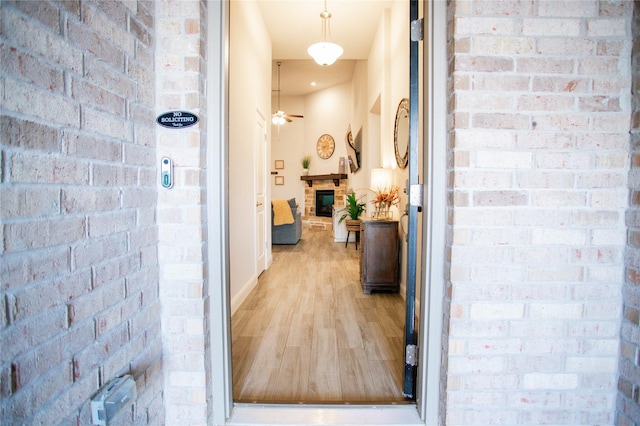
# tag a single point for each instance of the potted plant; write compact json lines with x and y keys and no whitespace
{"x":353,"y":210}
{"x":306,"y":160}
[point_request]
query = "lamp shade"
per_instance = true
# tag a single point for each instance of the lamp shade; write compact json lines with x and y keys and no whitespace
{"x":278,"y":118}
{"x":381,"y":179}
{"x":325,"y":53}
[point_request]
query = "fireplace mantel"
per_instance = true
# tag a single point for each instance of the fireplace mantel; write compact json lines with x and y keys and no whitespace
{"x":335,"y":177}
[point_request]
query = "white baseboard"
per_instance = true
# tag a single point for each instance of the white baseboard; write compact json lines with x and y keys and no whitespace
{"x":237,"y":300}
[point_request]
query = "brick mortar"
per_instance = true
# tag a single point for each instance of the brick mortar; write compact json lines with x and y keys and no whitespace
{"x":538,"y":191}
{"x":79,"y":269}
{"x":181,"y":215}
{"x":628,"y":398}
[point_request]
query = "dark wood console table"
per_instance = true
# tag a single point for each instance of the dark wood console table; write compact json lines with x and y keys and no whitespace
{"x":379,"y":255}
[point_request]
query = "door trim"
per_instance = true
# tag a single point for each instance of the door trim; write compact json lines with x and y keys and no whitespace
{"x":248,"y":414}
{"x":434,"y":215}
{"x":222,"y":410}
{"x":218,"y":351}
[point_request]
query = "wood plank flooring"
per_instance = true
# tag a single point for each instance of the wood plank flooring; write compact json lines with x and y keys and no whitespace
{"x":308,"y":334}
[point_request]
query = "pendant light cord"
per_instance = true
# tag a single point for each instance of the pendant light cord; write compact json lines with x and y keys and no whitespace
{"x":279,"y":63}
{"x":326,"y":22}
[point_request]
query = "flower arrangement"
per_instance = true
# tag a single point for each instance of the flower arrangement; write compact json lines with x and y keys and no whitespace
{"x":306,"y":160}
{"x":384,"y":199}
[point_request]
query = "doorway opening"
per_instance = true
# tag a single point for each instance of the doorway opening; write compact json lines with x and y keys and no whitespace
{"x":224,"y":411}
{"x":268,"y":340}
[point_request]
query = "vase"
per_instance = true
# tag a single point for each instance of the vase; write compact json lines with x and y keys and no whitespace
{"x":305,"y":172}
{"x":382,"y":212}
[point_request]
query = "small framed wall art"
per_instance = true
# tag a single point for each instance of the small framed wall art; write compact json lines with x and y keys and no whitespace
{"x":279,"y":164}
{"x":279,"y":180}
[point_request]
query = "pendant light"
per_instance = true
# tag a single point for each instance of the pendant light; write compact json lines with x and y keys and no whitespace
{"x":278,"y":116}
{"x":325,"y":52}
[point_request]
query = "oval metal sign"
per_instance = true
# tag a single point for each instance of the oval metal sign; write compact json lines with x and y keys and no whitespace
{"x":177,"y":119}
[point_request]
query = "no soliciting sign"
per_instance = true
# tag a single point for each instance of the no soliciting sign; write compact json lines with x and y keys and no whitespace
{"x":177,"y":119}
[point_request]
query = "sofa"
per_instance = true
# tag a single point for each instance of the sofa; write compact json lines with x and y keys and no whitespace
{"x":289,"y":233}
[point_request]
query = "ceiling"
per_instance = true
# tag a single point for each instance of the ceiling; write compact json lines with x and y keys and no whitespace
{"x":294,"y":25}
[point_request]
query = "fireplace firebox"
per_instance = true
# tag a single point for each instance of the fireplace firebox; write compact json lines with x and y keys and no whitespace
{"x":324,"y":202}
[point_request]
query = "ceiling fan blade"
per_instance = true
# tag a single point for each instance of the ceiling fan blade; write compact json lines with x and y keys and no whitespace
{"x":288,"y":119}
{"x":295,"y":116}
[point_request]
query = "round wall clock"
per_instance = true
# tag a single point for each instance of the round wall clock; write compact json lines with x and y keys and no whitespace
{"x":325,"y":146}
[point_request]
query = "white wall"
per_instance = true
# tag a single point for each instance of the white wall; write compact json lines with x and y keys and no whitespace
{"x":388,"y":84}
{"x":287,"y":143}
{"x":329,"y":111}
{"x":326,"y":111}
{"x":399,"y":89}
{"x":388,"y":68}
{"x":250,"y":84}
{"x":360,"y":123}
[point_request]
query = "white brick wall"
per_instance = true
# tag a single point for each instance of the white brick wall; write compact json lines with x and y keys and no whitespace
{"x":79,"y":270}
{"x":628,"y":401}
{"x":539,"y":148}
{"x":181,"y":217}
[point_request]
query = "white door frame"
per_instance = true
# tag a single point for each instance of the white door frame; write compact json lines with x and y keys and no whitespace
{"x":262,"y":198}
{"x":426,"y":409}
{"x":220,"y":386}
{"x":434,"y":219}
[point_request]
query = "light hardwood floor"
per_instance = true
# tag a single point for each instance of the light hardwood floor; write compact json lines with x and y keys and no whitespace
{"x":308,"y":334}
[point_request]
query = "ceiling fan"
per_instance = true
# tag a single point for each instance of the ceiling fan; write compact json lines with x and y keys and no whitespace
{"x":279,"y":117}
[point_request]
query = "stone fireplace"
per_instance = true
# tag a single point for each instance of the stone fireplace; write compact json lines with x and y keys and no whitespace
{"x":309,"y":217}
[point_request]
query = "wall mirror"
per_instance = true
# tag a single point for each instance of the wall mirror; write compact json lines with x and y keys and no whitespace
{"x":401,"y":133}
{"x":354,"y":149}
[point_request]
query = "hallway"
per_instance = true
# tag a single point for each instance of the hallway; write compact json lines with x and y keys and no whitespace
{"x":308,"y":334}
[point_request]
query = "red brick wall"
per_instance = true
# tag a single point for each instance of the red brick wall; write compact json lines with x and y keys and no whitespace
{"x":628,"y":407}
{"x":79,"y":271}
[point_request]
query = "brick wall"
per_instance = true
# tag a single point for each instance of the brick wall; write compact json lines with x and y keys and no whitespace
{"x":79,"y":303}
{"x":180,"y":66}
{"x":628,"y":404}
{"x":309,"y":218}
{"x":539,"y":119}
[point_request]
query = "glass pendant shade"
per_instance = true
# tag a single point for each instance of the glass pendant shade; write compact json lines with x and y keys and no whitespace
{"x":278,"y":118}
{"x":324,"y":52}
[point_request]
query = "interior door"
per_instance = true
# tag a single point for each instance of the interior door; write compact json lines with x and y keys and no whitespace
{"x":413,"y":210}
{"x":260,"y":184}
